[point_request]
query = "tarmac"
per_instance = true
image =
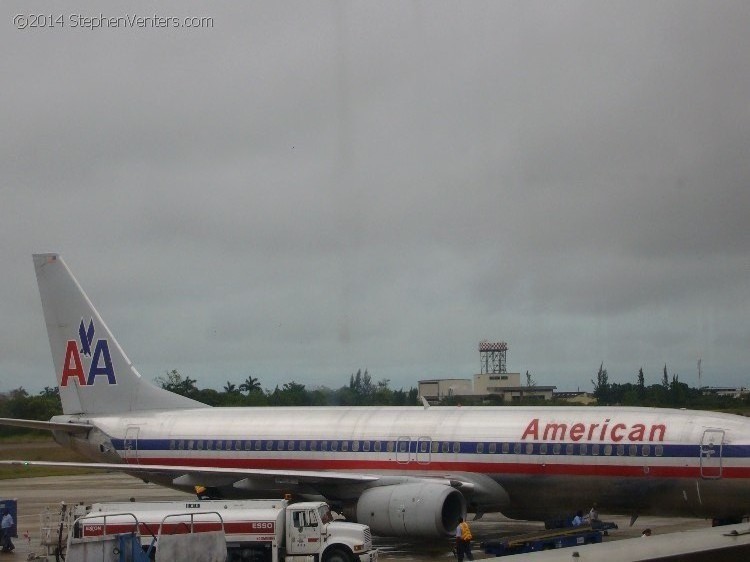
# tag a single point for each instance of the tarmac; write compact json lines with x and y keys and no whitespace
{"x":34,"y":495}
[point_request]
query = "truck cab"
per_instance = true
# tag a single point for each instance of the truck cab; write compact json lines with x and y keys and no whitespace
{"x":311,"y":530}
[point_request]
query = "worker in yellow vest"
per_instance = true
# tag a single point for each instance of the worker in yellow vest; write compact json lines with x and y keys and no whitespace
{"x":463,"y":541}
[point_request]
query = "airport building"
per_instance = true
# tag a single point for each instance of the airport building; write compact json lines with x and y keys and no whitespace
{"x":493,"y":380}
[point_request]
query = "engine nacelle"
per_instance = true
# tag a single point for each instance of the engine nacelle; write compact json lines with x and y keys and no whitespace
{"x":419,"y":509}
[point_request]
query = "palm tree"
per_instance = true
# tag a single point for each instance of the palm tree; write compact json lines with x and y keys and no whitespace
{"x":230,"y":387}
{"x":251,"y":384}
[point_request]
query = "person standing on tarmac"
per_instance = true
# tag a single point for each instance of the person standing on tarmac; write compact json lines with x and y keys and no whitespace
{"x":463,"y":541}
{"x":6,"y":525}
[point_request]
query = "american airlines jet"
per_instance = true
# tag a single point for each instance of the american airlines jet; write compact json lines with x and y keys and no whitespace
{"x":403,"y":471}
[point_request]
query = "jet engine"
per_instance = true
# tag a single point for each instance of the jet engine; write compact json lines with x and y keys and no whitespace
{"x":416,"y":509}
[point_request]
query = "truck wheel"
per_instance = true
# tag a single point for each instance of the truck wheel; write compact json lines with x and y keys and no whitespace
{"x":337,"y":555}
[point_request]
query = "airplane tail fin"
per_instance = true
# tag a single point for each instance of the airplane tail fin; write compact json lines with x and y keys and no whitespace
{"x":93,"y":373}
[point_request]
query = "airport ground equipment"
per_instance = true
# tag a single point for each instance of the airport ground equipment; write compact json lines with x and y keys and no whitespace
{"x":120,"y":537}
{"x":256,"y":530}
{"x":547,"y":539}
{"x":712,"y":544}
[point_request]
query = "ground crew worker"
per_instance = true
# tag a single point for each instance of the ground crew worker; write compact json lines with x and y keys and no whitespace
{"x":463,"y":541}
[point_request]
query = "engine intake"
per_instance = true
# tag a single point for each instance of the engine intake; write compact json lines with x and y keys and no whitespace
{"x":418,"y":509}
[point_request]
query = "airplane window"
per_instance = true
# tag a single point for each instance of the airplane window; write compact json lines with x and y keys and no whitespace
{"x":517,"y":448}
{"x":334,"y":445}
{"x":365,"y":446}
{"x":345,"y":445}
{"x":172,"y":444}
{"x":543,"y":449}
{"x":456,"y":447}
{"x":248,"y":445}
{"x":608,"y":450}
{"x":569,"y":449}
{"x":403,"y":446}
{"x":583,"y":449}
{"x":355,"y":446}
{"x":269,"y":445}
{"x":595,"y":449}
{"x":199,"y":445}
{"x":391,"y":446}
{"x":324,"y":445}
{"x":280,"y":446}
{"x":529,"y":448}
{"x":423,"y":446}
{"x":218,"y":445}
{"x":238,"y":445}
{"x":257,"y":446}
{"x":313,"y":445}
{"x":620,"y":450}
{"x":435,"y":447}
{"x":506,"y":447}
{"x":376,"y":446}
{"x":180,"y":445}
{"x":556,"y":448}
{"x":209,"y":445}
{"x":303,"y":445}
{"x":659,"y":450}
{"x":633,"y":450}
{"x":290,"y":446}
{"x":493,"y":448}
{"x":446,"y":447}
{"x":480,"y":448}
{"x":646,"y":450}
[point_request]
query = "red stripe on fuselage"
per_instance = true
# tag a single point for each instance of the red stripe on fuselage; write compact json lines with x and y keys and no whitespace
{"x":562,"y":469}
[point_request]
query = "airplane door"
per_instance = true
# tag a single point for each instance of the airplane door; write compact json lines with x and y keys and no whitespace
{"x":424,"y":444}
{"x":711,"y":445}
{"x":131,"y":444}
{"x":403,"y":454}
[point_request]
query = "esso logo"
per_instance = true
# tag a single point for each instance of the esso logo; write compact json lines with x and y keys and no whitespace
{"x":263,"y":526}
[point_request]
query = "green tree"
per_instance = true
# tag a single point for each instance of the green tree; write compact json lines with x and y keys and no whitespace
{"x":174,"y":382}
{"x":641,"y":385}
{"x":251,"y":385}
{"x":601,"y":385}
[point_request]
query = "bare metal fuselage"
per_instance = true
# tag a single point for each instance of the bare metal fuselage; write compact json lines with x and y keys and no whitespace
{"x":526,"y":462}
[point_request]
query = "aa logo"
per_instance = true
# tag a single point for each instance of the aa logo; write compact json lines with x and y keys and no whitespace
{"x":99,"y":361}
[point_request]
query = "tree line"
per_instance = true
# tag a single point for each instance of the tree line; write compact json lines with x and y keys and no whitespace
{"x":363,"y":391}
{"x":669,"y":392}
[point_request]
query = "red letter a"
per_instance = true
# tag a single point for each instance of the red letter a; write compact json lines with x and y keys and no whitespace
{"x":532,"y":430}
{"x":72,"y":366}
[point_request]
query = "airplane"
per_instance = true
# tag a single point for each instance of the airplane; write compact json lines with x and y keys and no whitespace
{"x":404,"y":471}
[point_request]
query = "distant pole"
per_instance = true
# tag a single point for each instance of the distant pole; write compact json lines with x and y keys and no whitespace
{"x":699,"y":373}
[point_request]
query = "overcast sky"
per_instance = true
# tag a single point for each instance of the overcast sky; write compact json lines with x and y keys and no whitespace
{"x":303,"y":189}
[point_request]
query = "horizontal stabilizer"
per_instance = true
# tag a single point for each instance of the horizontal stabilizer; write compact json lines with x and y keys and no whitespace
{"x":48,"y":426}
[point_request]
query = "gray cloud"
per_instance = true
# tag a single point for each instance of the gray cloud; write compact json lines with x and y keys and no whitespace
{"x":307,"y":189}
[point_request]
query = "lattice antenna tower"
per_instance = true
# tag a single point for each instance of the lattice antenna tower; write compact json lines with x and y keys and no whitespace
{"x":492,"y":357}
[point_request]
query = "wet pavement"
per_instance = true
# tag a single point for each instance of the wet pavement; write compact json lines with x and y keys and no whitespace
{"x":36,"y":494}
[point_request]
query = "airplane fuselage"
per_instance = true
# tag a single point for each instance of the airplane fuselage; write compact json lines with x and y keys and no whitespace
{"x":528,"y":462}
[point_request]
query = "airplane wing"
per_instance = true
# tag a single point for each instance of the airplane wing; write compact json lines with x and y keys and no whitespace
{"x":198,"y":474}
{"x":48,"y":426}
